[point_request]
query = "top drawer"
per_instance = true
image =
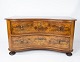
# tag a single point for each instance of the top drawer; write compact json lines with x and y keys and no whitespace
{"x":40,"y":26}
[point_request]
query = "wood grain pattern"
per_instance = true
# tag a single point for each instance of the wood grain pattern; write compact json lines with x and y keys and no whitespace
{"x":26,"y":34}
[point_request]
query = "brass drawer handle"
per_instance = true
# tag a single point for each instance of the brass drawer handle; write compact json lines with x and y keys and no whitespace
{"x":53,"y":41}
{"x":61,"y":28}
{"x":21,"y":27}
{"x":23,"y":41}
{"x":40,"y":38}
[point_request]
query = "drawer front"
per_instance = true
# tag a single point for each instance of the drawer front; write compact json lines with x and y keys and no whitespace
{"x":49,"y":27}
{"x":40,"y":42}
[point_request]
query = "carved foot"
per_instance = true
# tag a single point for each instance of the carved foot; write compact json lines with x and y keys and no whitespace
{"x":12,"y":53}
{"x":69,"y":54}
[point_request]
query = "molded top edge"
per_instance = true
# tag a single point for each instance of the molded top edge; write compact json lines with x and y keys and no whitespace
{"x":41,"y":17}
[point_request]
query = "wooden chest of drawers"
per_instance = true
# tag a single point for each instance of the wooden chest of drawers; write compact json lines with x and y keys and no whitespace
{"x":41,"y":33}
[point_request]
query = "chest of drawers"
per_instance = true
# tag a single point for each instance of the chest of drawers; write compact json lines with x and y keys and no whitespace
{"x":40,"y":33}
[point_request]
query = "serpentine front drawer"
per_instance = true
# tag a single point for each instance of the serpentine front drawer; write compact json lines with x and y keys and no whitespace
{"x":40,"y":42}
{"x":41,"y":26}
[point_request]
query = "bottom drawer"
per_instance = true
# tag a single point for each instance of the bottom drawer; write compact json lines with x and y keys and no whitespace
{"x":40,"y":42}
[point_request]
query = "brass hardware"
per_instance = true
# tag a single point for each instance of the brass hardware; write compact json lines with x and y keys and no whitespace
{"x":21,"y":27}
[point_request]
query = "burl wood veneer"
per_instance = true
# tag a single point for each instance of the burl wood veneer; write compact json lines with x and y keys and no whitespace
{"x":29,"y":33}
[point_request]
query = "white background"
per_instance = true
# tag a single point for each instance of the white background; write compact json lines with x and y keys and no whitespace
{"x":10,"y":8}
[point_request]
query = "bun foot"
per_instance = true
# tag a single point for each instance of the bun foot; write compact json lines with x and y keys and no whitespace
{"x":69,"y":54}
{"x":12,"y":53}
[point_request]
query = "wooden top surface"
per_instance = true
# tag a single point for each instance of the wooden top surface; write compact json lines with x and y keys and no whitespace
{"x":41,"y":17}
